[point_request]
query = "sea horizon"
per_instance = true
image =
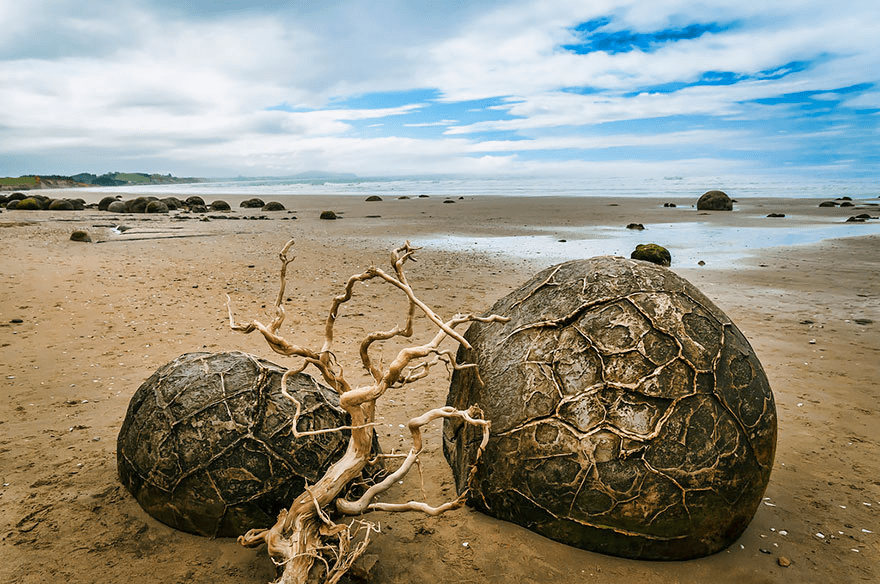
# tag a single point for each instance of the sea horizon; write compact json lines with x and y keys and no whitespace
{"x":450,"y":186}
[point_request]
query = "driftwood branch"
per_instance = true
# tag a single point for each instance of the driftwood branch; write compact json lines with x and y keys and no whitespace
{"x":305,"y":542}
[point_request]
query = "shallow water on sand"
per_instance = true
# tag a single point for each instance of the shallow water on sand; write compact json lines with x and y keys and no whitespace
{"x":688,"y":242}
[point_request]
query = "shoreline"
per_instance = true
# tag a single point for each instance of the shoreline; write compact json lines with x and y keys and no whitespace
{"x":83,"y":325}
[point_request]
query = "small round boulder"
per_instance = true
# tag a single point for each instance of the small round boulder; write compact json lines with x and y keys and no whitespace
{"x":715,"y":201}
{"x":651,"y":252}
{"x":629,"y":415}
{"x":207,"y":445}
{"x":273,"y":206}
{"x":220,"y":206}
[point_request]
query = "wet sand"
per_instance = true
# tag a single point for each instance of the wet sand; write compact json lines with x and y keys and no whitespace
{"x":97,"y":319}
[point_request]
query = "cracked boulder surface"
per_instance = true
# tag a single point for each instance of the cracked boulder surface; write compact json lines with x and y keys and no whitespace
{"x":629,"y":415}
{"x":207,"y":444}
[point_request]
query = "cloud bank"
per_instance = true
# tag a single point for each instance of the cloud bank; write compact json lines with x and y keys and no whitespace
{"x":392,"y":87}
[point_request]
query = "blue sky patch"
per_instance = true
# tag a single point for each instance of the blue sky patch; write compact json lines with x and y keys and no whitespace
{"x":623,"y":41}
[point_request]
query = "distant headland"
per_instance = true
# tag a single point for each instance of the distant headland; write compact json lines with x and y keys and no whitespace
{"x":85,"y":179}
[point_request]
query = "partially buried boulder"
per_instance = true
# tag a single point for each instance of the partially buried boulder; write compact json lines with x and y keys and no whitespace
{"x":220,"y":206}
{"x":156,"y":207}
{"x":252,"y":204}
{"x":117,"y":207}
{"x":80,"y":235}
{"x":273,"y":206}
{"x":61,"y":205}
{"x":207,"y":445}
{"x":715,"y":201}
{"x":328,"y":215}
{"x":651,"y":252}
{"x":629,"y":415}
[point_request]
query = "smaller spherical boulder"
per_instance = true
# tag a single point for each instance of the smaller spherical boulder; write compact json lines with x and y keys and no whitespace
{"x":253,"y":204}
{"x":105,"y":203}
{"x":29,"y":204}
{"x":273,"y":206}
{"x":715,"y":201}
{"x":156,"y":207}
{"x":61,"y":205}
{"x":220,"y":206}
{"x":81,"y":236}
{"x":651,"y":252}
{"x":207,"y":446}
{"x":328,"y":215}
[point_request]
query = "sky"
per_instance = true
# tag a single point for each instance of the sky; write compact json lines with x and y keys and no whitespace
{"x":410,"y":87}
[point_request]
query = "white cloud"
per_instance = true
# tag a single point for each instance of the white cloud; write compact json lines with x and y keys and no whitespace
{"x":189,"y":85}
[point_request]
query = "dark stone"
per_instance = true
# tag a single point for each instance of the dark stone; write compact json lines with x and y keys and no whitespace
{"x":329,"y":215}
{"x":273,"y":206}
{"x":629,"y":415}
{"x":847,"y":204}
{"x":194,"y":201}
{"x":61,"y":205}
{"x":198,"y":208}
{"x":651,"y":252}
{"x":80,"y":235}
{"x":714,"y":201}
{"x":776,"y":215}
{"x":220,"y":206}
{"x":156,"y":207}
{"x":669,"y":205}
{"x":173,"y":203}
{"x":29,"y":204}
{"x":138,"y":205}
{"x":636,"y":226}
{"x":16,"y":196}
{"x":373,"y":198}
{"x":828,"y":204}
{"x":207,"y":447}
{"x":448,"y":201}
{"x":253,"y":204}
{"x":12,"y":204}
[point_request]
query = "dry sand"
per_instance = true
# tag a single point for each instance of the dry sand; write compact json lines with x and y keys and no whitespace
{"x":97,"y":319}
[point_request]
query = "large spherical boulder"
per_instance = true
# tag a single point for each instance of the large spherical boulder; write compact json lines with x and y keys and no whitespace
{"x":629,"y":415}
{"x":714,"y":201}
{"x":207,"y":444}
{"x":254,"y":203}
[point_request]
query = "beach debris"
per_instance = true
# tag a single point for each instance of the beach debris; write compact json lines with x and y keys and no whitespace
{"x":305,"y":542}
{"x":606,"y":370}
{"x":714,"y":201}
{"x":636,"y":226}
{"x":80,"y":235}
{"x":328,"y":215}
{"x":783,"y":561}
{"x":652,"y":252}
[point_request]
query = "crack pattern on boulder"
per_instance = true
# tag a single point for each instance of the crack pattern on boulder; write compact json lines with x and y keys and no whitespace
{"x":629,"y":415}
{"x":207,"y":444}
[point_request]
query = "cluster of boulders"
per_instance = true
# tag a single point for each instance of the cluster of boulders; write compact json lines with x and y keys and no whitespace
{"x":36,"y":202}
{"x":194,"y":204}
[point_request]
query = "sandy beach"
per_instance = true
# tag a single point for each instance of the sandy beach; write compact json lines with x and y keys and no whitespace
{"x":82,"y":325}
